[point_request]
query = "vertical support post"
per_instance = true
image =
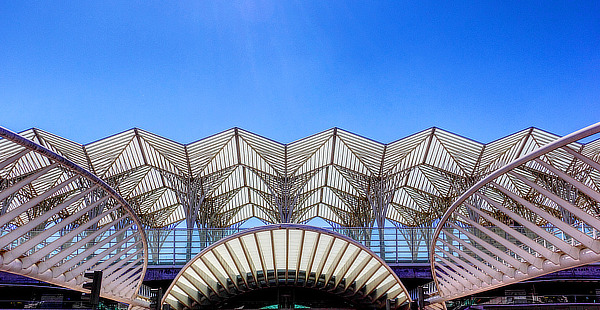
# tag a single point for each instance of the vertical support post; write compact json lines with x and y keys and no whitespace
{"x":174,"y":243}
{"x":420,"y":298}
{"x":189,"y":235}
{"x":397,"y":248}
{"x":414,"y":250}
{"x":95,"y":285}
{"x":381,"y":241}
{"x":155,"y":298}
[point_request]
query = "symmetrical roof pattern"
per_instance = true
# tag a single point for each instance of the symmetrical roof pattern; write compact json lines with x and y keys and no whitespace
{"x":346,"y":179}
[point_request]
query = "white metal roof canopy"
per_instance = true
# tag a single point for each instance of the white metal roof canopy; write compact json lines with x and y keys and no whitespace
{"x":227,"y":178}
{"x":285,"y":255}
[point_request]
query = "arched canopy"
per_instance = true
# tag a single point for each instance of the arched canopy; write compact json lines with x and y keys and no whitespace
{"x":284,"y":255}
{"x":534,"y":216}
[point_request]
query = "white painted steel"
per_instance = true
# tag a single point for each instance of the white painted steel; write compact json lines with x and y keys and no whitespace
{"x":285,"y":255}
{"x":351,"y":181}
{"x":533,"y":216}
{"x":58,"y":221}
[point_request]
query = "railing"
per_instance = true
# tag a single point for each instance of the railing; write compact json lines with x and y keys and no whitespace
{"x":398,"y":245}
{"x":429,"y":289}
{"x":145,"y":292}
{"x":395,"y":245}
{"x":555,"y":300}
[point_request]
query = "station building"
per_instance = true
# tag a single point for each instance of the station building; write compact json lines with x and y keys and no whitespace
{"x":433,"y":220}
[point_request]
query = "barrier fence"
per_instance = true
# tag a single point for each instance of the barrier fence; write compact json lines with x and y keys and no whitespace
{"x":176,"y":246}
{"x":395,"y":245}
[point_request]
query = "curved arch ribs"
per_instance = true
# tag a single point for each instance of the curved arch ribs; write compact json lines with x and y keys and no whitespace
{"x":534,"y":216}
{"x":285,"y":255}
{"x":58,"y":221}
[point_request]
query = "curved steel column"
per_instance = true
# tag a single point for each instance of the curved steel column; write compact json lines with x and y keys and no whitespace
{"x":58,"y":221}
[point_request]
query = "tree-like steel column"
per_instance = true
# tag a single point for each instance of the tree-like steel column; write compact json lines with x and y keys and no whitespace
{"x":378,"y":193}
{"x":534,"y":216}
{"x":195,"y":194}
{"x":286,"y":193}
{"x":58,"y":221}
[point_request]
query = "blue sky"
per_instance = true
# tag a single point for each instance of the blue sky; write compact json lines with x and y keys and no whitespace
{"x":288,"y":69}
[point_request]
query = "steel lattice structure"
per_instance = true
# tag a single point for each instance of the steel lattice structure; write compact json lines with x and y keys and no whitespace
{"x":348,"y":180}
{"x":285,"y":255}
{"x":58,"y":221}
{"x":536,"y":215}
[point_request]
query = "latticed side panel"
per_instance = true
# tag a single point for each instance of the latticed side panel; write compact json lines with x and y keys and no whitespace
{"x":58,"y":221}
{"x":534,"y":216}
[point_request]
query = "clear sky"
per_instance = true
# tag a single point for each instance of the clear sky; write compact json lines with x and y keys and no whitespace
{"x":288,"y":69}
